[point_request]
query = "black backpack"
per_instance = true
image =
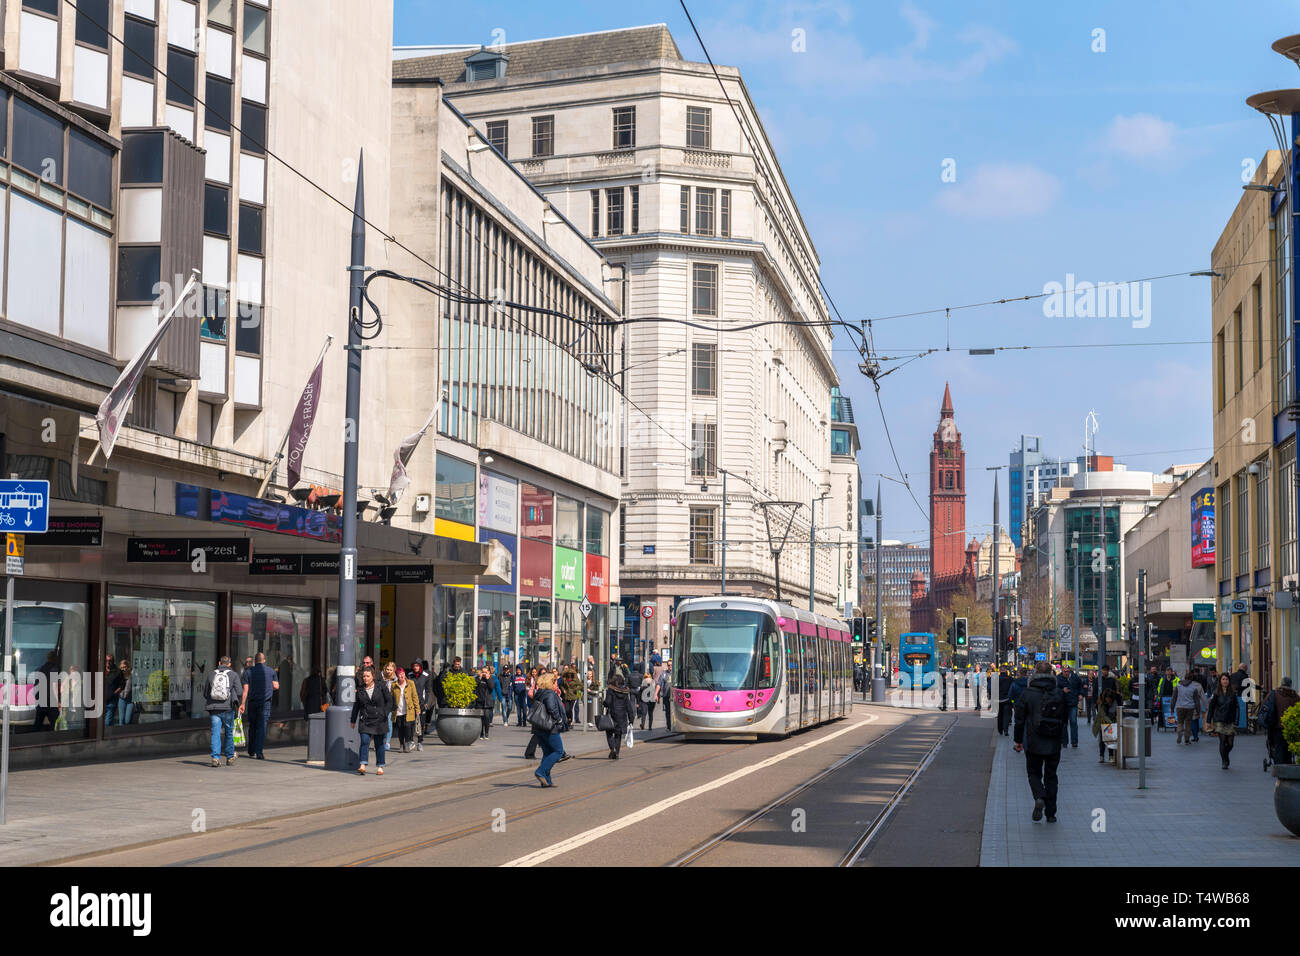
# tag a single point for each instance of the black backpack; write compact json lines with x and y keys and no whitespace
{"x":1051,"y":715}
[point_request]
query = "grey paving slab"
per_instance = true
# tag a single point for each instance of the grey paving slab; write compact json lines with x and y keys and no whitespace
{"x":1103,"y":817}
{"x":58,"y":812}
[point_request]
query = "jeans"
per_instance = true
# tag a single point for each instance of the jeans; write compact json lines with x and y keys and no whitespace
{"x":1042,"y":778}
{"x":650,"y":715}
{"x":379,"y":748}
{"x":668,"y":714}
{"x":405,"y":730}
{"x":1004,"y":716}
{"x":258,"y":715}
{"x":521,"y":705}
{"x":389,"y":737}
{"x":1196,"y":728}
{"x":1070,"y":728}
{"x":487,"y":720}
{"x":125,"y":710}
{"x":1184,"y":724}
{"x":552,"y":751}
{"x":110,"y":711}
{"x":223,"y":733}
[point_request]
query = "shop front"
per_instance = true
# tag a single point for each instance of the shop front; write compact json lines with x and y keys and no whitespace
{"x":498,"y":520}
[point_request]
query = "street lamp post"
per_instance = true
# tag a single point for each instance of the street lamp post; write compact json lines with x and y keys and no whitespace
{"x":877,"y":677}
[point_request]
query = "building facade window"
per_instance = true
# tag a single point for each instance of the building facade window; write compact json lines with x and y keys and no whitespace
{"x":180,"y":77}
{"x":138,"y":56}
{"x":686,"y":209}
{"x":634,"y":209}
{"x":699,"y":127}
{"x":703,"y":522}
{"x":614,"y":211}
{"x":1223,"y":531}
{"x":1241,"y":365}
{"x":543,"y":136}
{"x":704,"y":211}
{"x":1257,"y":296}
{"x":1286,"y":509}
{"x":1243,"y":523}
{"x":498,"y":134}
{"x":704,"y":289}
{"x":595,"y":212}
{"x":840,"y":444}
{"x":704,"y":369}
{"x":256,"y":28}
{"x":1282,"y":280}
{"x":1262,"y":559}
{"x":1220,"y":371}
{"x":625,"y":127}
{"x":704,"y":449}
{"x":724,"y":213}
{"x":455,"y":490}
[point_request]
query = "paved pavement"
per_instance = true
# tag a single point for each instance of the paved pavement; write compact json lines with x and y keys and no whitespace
{"x":60,"y":812}
{"x":1228,"y":813}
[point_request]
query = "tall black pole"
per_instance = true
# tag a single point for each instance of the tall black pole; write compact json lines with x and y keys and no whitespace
{"x":341,"y":741}
{"x":877,"y":659}
{"x":997,"y":622}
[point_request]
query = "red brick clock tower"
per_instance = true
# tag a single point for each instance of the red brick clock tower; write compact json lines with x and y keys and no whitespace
{"x":947,"y":497}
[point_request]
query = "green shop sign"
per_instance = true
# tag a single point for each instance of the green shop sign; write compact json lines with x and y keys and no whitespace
{"x":1203,"y":612}
{"x":568,"y":574}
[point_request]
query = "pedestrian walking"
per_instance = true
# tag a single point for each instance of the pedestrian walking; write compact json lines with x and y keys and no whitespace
{"x":649,"y":697}
{"x":519,"y":688}
{"x":547,"y":701}
{"x":1040,"y":716}
{"x":1166,"y":688}
{"x":1222,"y":716}
{"x":1189,"y":702}
{"x":421,"y":679}
{"x":313,"y":694}
{"x":1071,"y":686}
{"x":370,"y":712}
{"x":483,"y":700}
{"x":571,"y":694}
{"x":616,"y":666}
{"x":1004,"y":703}
{"x":260,"y":685}
{"x":1270,"y":718}
{"x":389,"y":679}
{"x":1104,"y":714}
{"x":1238,"y":677}
{"x":663,"y":686}
{"x":619,"y":710}
{"x":499,"y":696}
{"x":406,"y":709}
{"x":223,"y":696}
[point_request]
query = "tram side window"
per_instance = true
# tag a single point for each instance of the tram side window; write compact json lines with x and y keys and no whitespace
{"x":792,"y":663}
{"x":769,"y":658}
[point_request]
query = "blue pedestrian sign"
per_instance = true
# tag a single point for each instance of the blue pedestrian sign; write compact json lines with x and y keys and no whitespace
{"x":25,"y":506}
{"x":1040,"y":656}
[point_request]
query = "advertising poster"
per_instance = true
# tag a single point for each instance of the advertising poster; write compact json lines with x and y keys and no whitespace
{"x":568,"y":574}
{"x":1203,"y":528}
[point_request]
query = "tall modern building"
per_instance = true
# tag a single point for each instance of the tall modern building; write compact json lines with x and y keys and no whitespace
{"x":1031,"y":475}
{"x":671,"y":175}
{"x":899,"y":562}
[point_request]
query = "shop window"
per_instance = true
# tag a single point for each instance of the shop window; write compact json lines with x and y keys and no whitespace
{"x":282,"y":631}
{"x":568,"y":523}
{"x":597,"y":531}
{"x":160,"y":649}
{"x":53,"y":693}
{"x":456,"y":490}
{"x":361,"y":634}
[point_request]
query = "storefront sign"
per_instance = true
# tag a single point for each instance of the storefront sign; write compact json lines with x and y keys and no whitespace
{"x":1259,"y":603}
{"x":409,"y":574}
{"x":568,"y":574}
{"x":271,"y":564}
{"x":597,"y":578}
{"x":73,"y":531}
{"x":181,"y":550}
{"x":320,"y":564}
{"x":1203,"y":528}
{"x":535,"y":569}
{"x":1203,"y":612}
{"x":497,"y":507}
{"x":1240,"y":606}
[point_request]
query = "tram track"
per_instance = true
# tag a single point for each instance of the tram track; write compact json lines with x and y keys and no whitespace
{"x":864,"y":840}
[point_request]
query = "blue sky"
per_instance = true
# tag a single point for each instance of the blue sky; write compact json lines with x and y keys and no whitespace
{"x":1106,"y":165}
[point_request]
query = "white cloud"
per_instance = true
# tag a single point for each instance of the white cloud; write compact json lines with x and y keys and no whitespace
{"x":1142,"y":137}
{"x":1001,"y":191}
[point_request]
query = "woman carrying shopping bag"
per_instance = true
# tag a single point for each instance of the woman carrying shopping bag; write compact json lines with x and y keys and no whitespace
{"x":1103,"y":722}
{"x":617,"y":718}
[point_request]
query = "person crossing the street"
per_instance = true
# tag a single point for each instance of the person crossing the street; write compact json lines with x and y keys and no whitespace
{"x":1040,"y":716}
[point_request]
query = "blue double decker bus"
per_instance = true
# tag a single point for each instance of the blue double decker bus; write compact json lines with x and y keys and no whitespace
{"x":916,"y":660}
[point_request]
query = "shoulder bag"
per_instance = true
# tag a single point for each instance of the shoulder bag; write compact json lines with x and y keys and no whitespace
{"x":605,"y":723}
{"x":540,"y":719}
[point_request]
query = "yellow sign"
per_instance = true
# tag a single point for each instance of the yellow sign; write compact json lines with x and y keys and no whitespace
{"x":14,"y":545}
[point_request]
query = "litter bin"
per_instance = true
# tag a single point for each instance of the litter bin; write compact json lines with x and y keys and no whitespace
{"x":316,"y":739}
{"x":1130,"y":731}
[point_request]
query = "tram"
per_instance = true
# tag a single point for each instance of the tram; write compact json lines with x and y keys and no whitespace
{"x":749,"y":667}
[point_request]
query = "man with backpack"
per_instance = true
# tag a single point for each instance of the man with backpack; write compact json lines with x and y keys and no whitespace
{"x":1072,"y":687}
{"x":224,"y":692}
{"x":1040,"y":718}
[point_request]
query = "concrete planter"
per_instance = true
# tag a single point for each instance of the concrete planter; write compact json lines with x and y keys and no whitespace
{"x":458,"y":727}
{"x":1286,"y":796}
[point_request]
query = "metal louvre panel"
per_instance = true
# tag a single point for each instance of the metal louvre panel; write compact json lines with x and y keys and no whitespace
{"x":182,"y":250}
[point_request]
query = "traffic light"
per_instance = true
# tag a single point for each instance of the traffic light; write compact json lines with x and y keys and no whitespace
{"x":959,"y":630}
{"x":872,"y":631}
{"x":858,"y":628}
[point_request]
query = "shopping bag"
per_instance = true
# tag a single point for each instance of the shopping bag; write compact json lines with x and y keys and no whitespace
{"x":631,"y":737}
{"x":1110,"y":733}
{"x":239,"y":732}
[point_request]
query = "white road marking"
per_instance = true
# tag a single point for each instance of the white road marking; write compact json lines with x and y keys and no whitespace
{"x":582,"y":839}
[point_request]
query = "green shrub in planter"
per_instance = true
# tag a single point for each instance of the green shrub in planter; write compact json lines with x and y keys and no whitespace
{"x":460,"y":689}
{"x":1125,"y":683}
{"x":1291,"y":729}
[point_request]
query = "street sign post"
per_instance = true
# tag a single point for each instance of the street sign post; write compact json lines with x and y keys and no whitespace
{"x":585,"y":607}
{"x":24,"y":509}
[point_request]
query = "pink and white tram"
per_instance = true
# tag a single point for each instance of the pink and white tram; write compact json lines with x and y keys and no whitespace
{"x":748,"y":667}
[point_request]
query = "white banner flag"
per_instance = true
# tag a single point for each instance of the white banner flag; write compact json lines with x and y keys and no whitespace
{"x":112,"y":410}
{"x":399,"y":482}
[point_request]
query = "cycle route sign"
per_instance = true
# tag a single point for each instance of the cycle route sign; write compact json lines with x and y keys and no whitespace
{"x":25,"y":506}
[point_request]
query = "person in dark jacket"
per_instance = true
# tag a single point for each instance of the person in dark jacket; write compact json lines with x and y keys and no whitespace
{"x":1105,"y":713}
{"x":1004,"y":702}
{"x":370,"y":713}
{"x":1018,"y":686}
{"x":483,"y":693}
{"x":1270,"y":718}
{"x":519,"y":687}
{"x":551,"y":742}
{"x":313,"y":694}
{"x":620,"y":708}
{"x":421,"y":679}
{"x":1237,"y":677}
{"x":1042,"y":748}
{"x":1071,"y":686}
{"x":1222,"y":716}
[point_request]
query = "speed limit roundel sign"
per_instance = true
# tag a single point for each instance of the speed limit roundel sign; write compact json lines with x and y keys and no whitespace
{"x":647,"y":611}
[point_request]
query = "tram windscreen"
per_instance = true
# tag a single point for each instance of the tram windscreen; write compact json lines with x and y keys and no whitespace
{"x":718,"y":648}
